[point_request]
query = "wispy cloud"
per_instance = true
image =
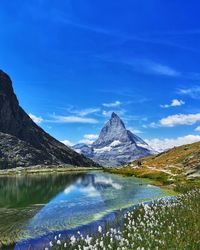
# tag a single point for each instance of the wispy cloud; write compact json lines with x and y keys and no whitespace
{"x":143,"y":65}
{"x":130,"y":93}
{"x":197,"y":129}
{"x":151,"y":125}
{"x":36,"y":119}
{"x":112,"y":104}
{"x":84,"y":112}
{"x":72,"y":119}
{"x":149,"y":39}
{"x":180,"y":119}
{"x":107,"y":114}
{"x":174,"y":103}
{"x":193,"y":92}
{"x":134,"y":130}
{"x":160,"y":69}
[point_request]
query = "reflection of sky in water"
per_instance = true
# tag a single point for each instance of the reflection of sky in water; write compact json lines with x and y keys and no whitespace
{"x":88,"y":198}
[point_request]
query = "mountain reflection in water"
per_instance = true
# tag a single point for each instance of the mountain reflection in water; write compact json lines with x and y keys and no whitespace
{"x":37,"y":205}
{"x":88,"y":198}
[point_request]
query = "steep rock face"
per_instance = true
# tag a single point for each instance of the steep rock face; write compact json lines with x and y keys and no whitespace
{"x":14,"y":121}
{"x":115,"y":145}
{"x":15,"y":152}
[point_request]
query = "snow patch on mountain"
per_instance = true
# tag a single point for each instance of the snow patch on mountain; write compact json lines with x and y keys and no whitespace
{"x":115,"y":145}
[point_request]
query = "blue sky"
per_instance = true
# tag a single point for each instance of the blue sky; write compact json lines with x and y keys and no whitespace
{"x":74,"y":62}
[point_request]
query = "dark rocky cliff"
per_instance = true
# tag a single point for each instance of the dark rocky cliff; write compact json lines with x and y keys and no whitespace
{"x":15,"y":122}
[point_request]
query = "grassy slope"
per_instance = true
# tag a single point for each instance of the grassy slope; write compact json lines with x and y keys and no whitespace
{"x":174,"y":167}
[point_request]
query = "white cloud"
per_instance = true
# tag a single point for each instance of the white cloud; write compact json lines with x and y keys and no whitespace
{"x":67,"y":143}
{"x":112,"y":104}
{"x":35,"y":118}
{"x":161,"y":69}
{"x":124,"y":36}
{"x":86,"y":141}
{"x":145,"y":66}
{"x":193,"y":92}
{"x":72,"y":119}
{"x":180,"y":119}
{"x":152,"y":125}
{"x":135,"y":131}
{"x":162,"y":145}
{"x":91,"y":136}
{"x":89,"y":139}
{"x":197,"y":129}
{"x":177,"y":102}
{"x":174,"y":103}
{"x":85,"y":112}
{"x":106,"y":113}
{"x":120,"y":112}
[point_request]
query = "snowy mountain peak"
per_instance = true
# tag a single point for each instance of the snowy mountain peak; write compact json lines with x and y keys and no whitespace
{"x":115,"y":116}
{"x":115,"y":121}
{"x":115,"y":145}
{"x":113,"y":130}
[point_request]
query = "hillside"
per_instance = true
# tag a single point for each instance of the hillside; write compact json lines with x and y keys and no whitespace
{"x":179,"y":166}
{"x":24,"y":143}
{"x":184,"y":159}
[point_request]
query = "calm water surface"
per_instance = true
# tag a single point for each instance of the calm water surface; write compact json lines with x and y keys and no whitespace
{"x":37,"y":205}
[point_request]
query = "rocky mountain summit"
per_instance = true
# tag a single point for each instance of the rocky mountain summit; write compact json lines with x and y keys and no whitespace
{"x":24,"y":143}
{"x":115,"y":145}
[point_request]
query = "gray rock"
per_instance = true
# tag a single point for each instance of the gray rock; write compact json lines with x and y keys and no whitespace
{"x":115,"y":145}
{"x":33,"y":143}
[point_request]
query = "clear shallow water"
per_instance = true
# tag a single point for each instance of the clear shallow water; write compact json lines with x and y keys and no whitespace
{"x":36,"y":206}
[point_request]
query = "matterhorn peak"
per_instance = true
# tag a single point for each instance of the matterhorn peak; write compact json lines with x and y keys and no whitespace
{"x":114,"y":115}
{"x":115,"y":145}
{"x":112,"y":131}
{"x":116,"y":121}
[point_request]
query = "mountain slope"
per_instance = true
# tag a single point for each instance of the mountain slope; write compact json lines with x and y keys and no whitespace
{"x":183,"y":160}
{"x":115,"y":145}
{"x":15,"y":122}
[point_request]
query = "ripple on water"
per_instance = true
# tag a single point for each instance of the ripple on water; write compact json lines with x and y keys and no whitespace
{"x":70,"y":201}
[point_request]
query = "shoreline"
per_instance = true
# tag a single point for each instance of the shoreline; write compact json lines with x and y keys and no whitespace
{"x":107,"y":219}
{"x":178,"y":184}
{"x":45,"y":170}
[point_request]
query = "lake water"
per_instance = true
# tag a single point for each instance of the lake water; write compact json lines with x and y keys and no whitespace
{"x":35,"y":206}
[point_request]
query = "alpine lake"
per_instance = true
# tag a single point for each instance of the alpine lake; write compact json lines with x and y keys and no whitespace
{"x":35,"y":207}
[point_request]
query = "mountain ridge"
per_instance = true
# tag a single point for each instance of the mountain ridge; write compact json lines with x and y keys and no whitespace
{"x":174,"y":166}
{"x":14,"y":121}
{"x":115,"y":145}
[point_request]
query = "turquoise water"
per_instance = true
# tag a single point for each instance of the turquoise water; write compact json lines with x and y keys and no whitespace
{"x":67,"y":201}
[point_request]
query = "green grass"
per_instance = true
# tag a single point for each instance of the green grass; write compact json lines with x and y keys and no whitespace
{"x":156,"y":176}
{"x":179,"y":183}
{"x":163,"y":225}
{"x":185,"y":185}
